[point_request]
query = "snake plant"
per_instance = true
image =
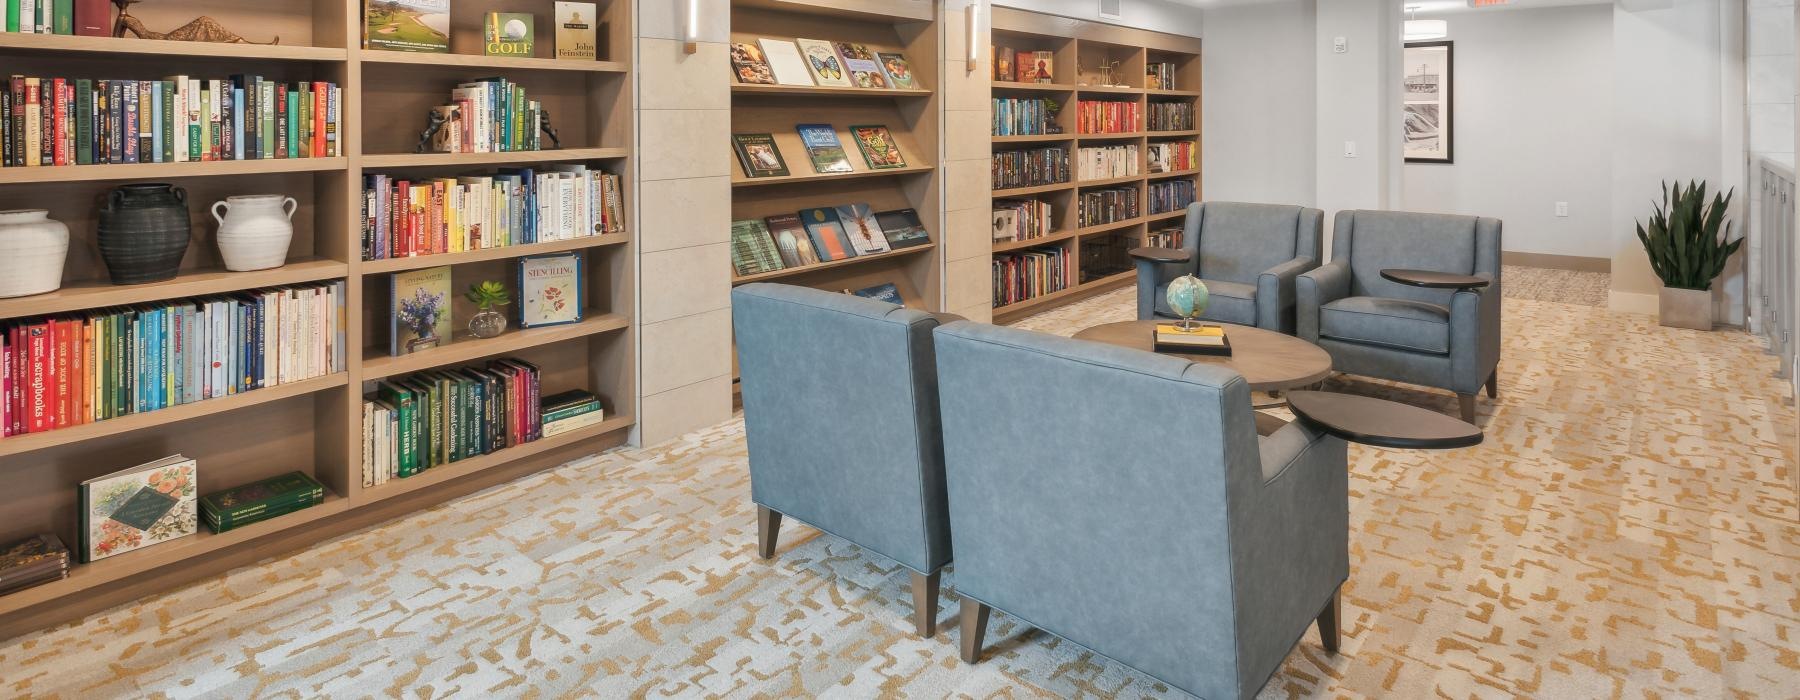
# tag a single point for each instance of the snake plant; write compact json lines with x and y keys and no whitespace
{"x":1688,"y":238}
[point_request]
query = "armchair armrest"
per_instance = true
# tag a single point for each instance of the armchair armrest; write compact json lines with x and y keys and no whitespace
{"x":1315,"y":288}
{"x":1150,"y":263}
{"x":1301,"y":510}
{"x":1275,"y":293}
{"x":1474,"y":336}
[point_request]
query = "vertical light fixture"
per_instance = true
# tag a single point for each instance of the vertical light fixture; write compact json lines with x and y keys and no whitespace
{"x":690,"y":32}
{"x":972,"y":17}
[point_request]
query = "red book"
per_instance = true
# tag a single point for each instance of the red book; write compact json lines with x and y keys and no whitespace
{"x":59,"y":117}
{"x":6,"y":384}
{"x":37,"y":395}
{"x":59,"y":373}
{"x":78,"y":371}
{"x":93,"y":18}
{"x":15,"y":409}
{"x":321,"y":104}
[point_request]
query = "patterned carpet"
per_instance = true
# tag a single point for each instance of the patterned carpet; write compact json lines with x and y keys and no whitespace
{"x":1629,"y":529}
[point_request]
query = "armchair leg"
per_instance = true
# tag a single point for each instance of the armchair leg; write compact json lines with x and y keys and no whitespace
{"x":925,"y":602}
{"x":1468,"y":407}
{"x":1493,"y":384}
{"x":974,"y":626}
{"x":1328,"y":620}
{"x":768,"y":528}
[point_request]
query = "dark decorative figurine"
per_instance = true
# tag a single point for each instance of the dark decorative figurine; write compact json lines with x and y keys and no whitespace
{"x":550,"y":131}
{"x":203,"y":28}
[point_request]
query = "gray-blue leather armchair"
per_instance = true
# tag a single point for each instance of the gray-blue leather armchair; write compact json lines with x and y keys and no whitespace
{"x":1123,"y":501}
{"x":1248,"y":255}
{"x":1448,"y":339}
{"x":841,"y":417}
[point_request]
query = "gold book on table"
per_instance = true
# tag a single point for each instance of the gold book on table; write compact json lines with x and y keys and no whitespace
{"x":1207,"y":340}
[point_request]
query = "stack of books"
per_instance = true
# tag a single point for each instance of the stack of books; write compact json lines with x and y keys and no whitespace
{"x":1201,"y":340}
{"x":440,"y":417}
{"x":35,"y":560}
{"x":272,"y":497}
{"x":571,"y":410}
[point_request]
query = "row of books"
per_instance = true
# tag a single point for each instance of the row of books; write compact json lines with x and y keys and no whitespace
{"x":108,"y":363}
{"x":490,"y":115}
{"x":1170,"y":116}
{"x":1166,"y":237}
{"x":67,"y":121}
{"x":1022,"y":116}
{"x":1108,"y":117}
{"x":1023,"y":66}
{"x":1031,"y":167}
{"x":439,"y":417}
{"x":1159,"y":76}
{"x":1021,"y":220}
{"x":759,"y":155}
{"x":808,"y":62}
{"x":510,"y":207}
{"x":821,"y":234}
{"x":65,"y":17}
{"x":1105,"y":206}
{"x":1170,"y":195}
{"x":1103,"y":162}
{"x":1028,"y":274}
{"x":1174,"y":156}
{"x":33,"y":561}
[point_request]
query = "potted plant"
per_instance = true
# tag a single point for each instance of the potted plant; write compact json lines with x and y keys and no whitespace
{"x":486,"y":296}
{"x":1689,"y":241}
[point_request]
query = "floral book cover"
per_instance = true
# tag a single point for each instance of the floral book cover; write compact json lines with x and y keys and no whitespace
{"x":139,"y":507}
{"x":420,"y":310}
{"x":550,"y":289}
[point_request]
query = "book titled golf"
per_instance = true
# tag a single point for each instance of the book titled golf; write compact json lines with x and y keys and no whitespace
{"x":549,"y":290}
{"x":142,"y":506}
{"x":508,"y":34}
{"x":407,"y":25}
{"x":823,"y":147}
{"x":577,"y":31}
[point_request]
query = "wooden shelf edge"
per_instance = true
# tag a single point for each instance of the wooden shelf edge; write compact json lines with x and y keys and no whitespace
{"x":738,"y":179}
{"x":31,"y":442}
{"x":1113,"y":226}
{"x":1009,"y":246}
{"x":826,"y":91}
{"x":477,"y":348}
{"x":1172,"y":174}
{"x":429,"y":160}
{"x":1165,"y":216}
{"x":1172,"y":134}
{"x":97,"y":294}
{"x":456,"y":60}
{"x":416,"y":262}
{"x":446,"y":472}
{"x":130,"y":47}
{"x":1032,"y":87}
{"x":146,"y":171}
{"x":1039,"y":189}
{"x":1160,"y":92}
{"x":1112,"y":137}
{"x":1108,"y":181}
{"x":808,"y":269}
{"x":1034,"y":138}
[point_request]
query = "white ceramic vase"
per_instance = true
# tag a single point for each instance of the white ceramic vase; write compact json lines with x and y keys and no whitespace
{"x":32,"y":250}
{"x":255,"y":230}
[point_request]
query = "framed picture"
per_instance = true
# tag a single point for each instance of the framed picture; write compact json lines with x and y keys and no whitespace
{"x":1429,"y":102}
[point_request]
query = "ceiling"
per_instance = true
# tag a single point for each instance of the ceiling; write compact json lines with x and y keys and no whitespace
{"x":1425,"y":6}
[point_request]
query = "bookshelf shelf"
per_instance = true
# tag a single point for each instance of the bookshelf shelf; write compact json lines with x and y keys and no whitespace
{"x":1105,"y":91}
{"x":1053,"y":238}
{"x":94,"y":294}
{"x":460,"y":61}
{"x":1032,"y":87}
{"x":1179,"y":133}
{"x":14,"y":43}
{"x":738,"y":179}
{"x":828,"y":91}
{"x":416,"y":262}
{"x":1035,"y":138}
{"x":1108,"y":182}
{"x":446,"y":472}
{"x":1174,"y":174}
{"x":467,"y":348}
{"x":434,"y":160}
{"x":1108,"y":227}
{"x":31,"y":442}
{"x":1165,"y":216}
{"x":1156,"y":92}
{"x":1113,"y":137}
{"x":835,"y":264}
{"x":158,"y":171}
{"x":1027,"y":191}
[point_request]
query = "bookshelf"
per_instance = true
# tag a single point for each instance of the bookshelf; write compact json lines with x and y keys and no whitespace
{"x":314,"y":425}
{"x":1077,"y":52}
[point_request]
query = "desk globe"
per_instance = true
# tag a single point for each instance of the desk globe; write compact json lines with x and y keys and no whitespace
{"x":1188,"y":298}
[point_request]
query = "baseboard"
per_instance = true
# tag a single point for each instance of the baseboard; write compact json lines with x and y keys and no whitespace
{"x":1632,"y":302}
{"x":1574,"y":263}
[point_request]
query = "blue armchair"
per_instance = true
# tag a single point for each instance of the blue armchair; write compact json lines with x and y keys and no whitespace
{"x":1248,"y":255}
{"x":841,"y":417}
{"x":1123,"y":501}
{"x":1449,"y":339}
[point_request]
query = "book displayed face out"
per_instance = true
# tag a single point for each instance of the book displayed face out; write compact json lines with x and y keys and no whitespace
{"x":142,"y":506}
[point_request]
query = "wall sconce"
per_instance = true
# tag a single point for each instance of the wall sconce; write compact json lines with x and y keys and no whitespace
{"x":690,"y":32}
{"x":972,"y":18}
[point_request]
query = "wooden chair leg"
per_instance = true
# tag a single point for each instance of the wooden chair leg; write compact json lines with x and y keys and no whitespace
{"x":925,"y":603}
{"x":1493,"y":384}
{"x":1468,"y":407}
{"x":768,"y":529}
{"x":1328,"y":621}
{"x":974,"y":626}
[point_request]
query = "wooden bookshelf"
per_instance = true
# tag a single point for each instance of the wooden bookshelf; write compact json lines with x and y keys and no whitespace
{"x":315,"y":425}
{"x":1079,"y":50}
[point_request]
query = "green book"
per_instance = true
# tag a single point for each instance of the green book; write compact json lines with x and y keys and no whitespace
{"x":62,"y":17}
{"x":247,"y":515}
{"x":84,"y":122}
{"x":581,"y":410}
{"x":404,"y":438}
{"x":257,"y":496}
{"x":12,"y":15}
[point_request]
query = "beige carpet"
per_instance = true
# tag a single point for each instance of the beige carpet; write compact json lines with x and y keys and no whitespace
{"x":1629,"y":529}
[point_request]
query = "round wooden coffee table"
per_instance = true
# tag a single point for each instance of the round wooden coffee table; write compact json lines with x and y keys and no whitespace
{"x":1268,"y":360}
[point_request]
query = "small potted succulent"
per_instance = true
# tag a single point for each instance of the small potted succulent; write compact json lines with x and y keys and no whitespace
{"x":487,"y":298}
{"x":1688,"y":241}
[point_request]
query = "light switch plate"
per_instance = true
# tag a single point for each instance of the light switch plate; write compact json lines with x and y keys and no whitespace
{"x":1562,"y":208}
{"x":1340,"y":45}
{"x":1349,"y":149}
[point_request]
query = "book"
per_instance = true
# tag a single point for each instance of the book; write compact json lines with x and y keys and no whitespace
{"x":902,"y":228}
{"x":261,"y":500}
{"x":860,"y":63}
{"x":575,"y":422}
{"x":752,"y":251}
{"x":570,"y":399}
{"x":35,"y":560}
{"x":878,"y":147}
{"x":885,"y":291}
{"x":791,"y":241}
{"x":407,"y":25}
{"x":823,"y":148}
{"x":759,"y":155}
{"x":827,"y":69}
{"x":438,"y":417}
{"x":93,"y":18}
{"x":749,"y":65}
{"x":785,"y":61}
{"x":550,"y":289}
{"x":509,"y":34}
{"x":1036,"y":66}
{"x":827,"y":234}
{"x":858,"y":222}
{"x":1200,"y":340}
{"x":138,"y":507}
{"x":419,"y":310}
{"x":899,"y":71}
{"x":577,"y":31}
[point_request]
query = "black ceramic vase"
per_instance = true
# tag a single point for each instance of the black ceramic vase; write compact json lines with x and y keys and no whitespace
{"x":144,"y":231}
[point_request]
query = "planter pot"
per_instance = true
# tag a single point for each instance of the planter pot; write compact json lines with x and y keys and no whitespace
{"x":255,"y":230}
{"x":32,"y":249}
{"x":144,"y":231}
{"x":1686,"y":308}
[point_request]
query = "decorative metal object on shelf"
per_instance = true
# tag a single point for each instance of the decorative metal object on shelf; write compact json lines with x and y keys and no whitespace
{"x":550,"y":131}
{"x":33,"y":247}
{"x":435,"y":138}
{"x":255,"y":230}
{"x":144,"y":232}
{"x":203,"y":28}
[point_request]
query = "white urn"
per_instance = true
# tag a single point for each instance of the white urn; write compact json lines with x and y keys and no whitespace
{"x":255,"y":230}
{"x":32,"y":250}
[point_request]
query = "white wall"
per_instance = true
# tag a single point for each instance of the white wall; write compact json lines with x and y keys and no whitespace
{"x":1154,"y":15}
{"x":1533,"y":127}
{"x":1357,"y":99}
{"x":1258,"y":124}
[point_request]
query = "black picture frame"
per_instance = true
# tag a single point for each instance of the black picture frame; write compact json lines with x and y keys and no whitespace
{"x":1411,"y":112}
